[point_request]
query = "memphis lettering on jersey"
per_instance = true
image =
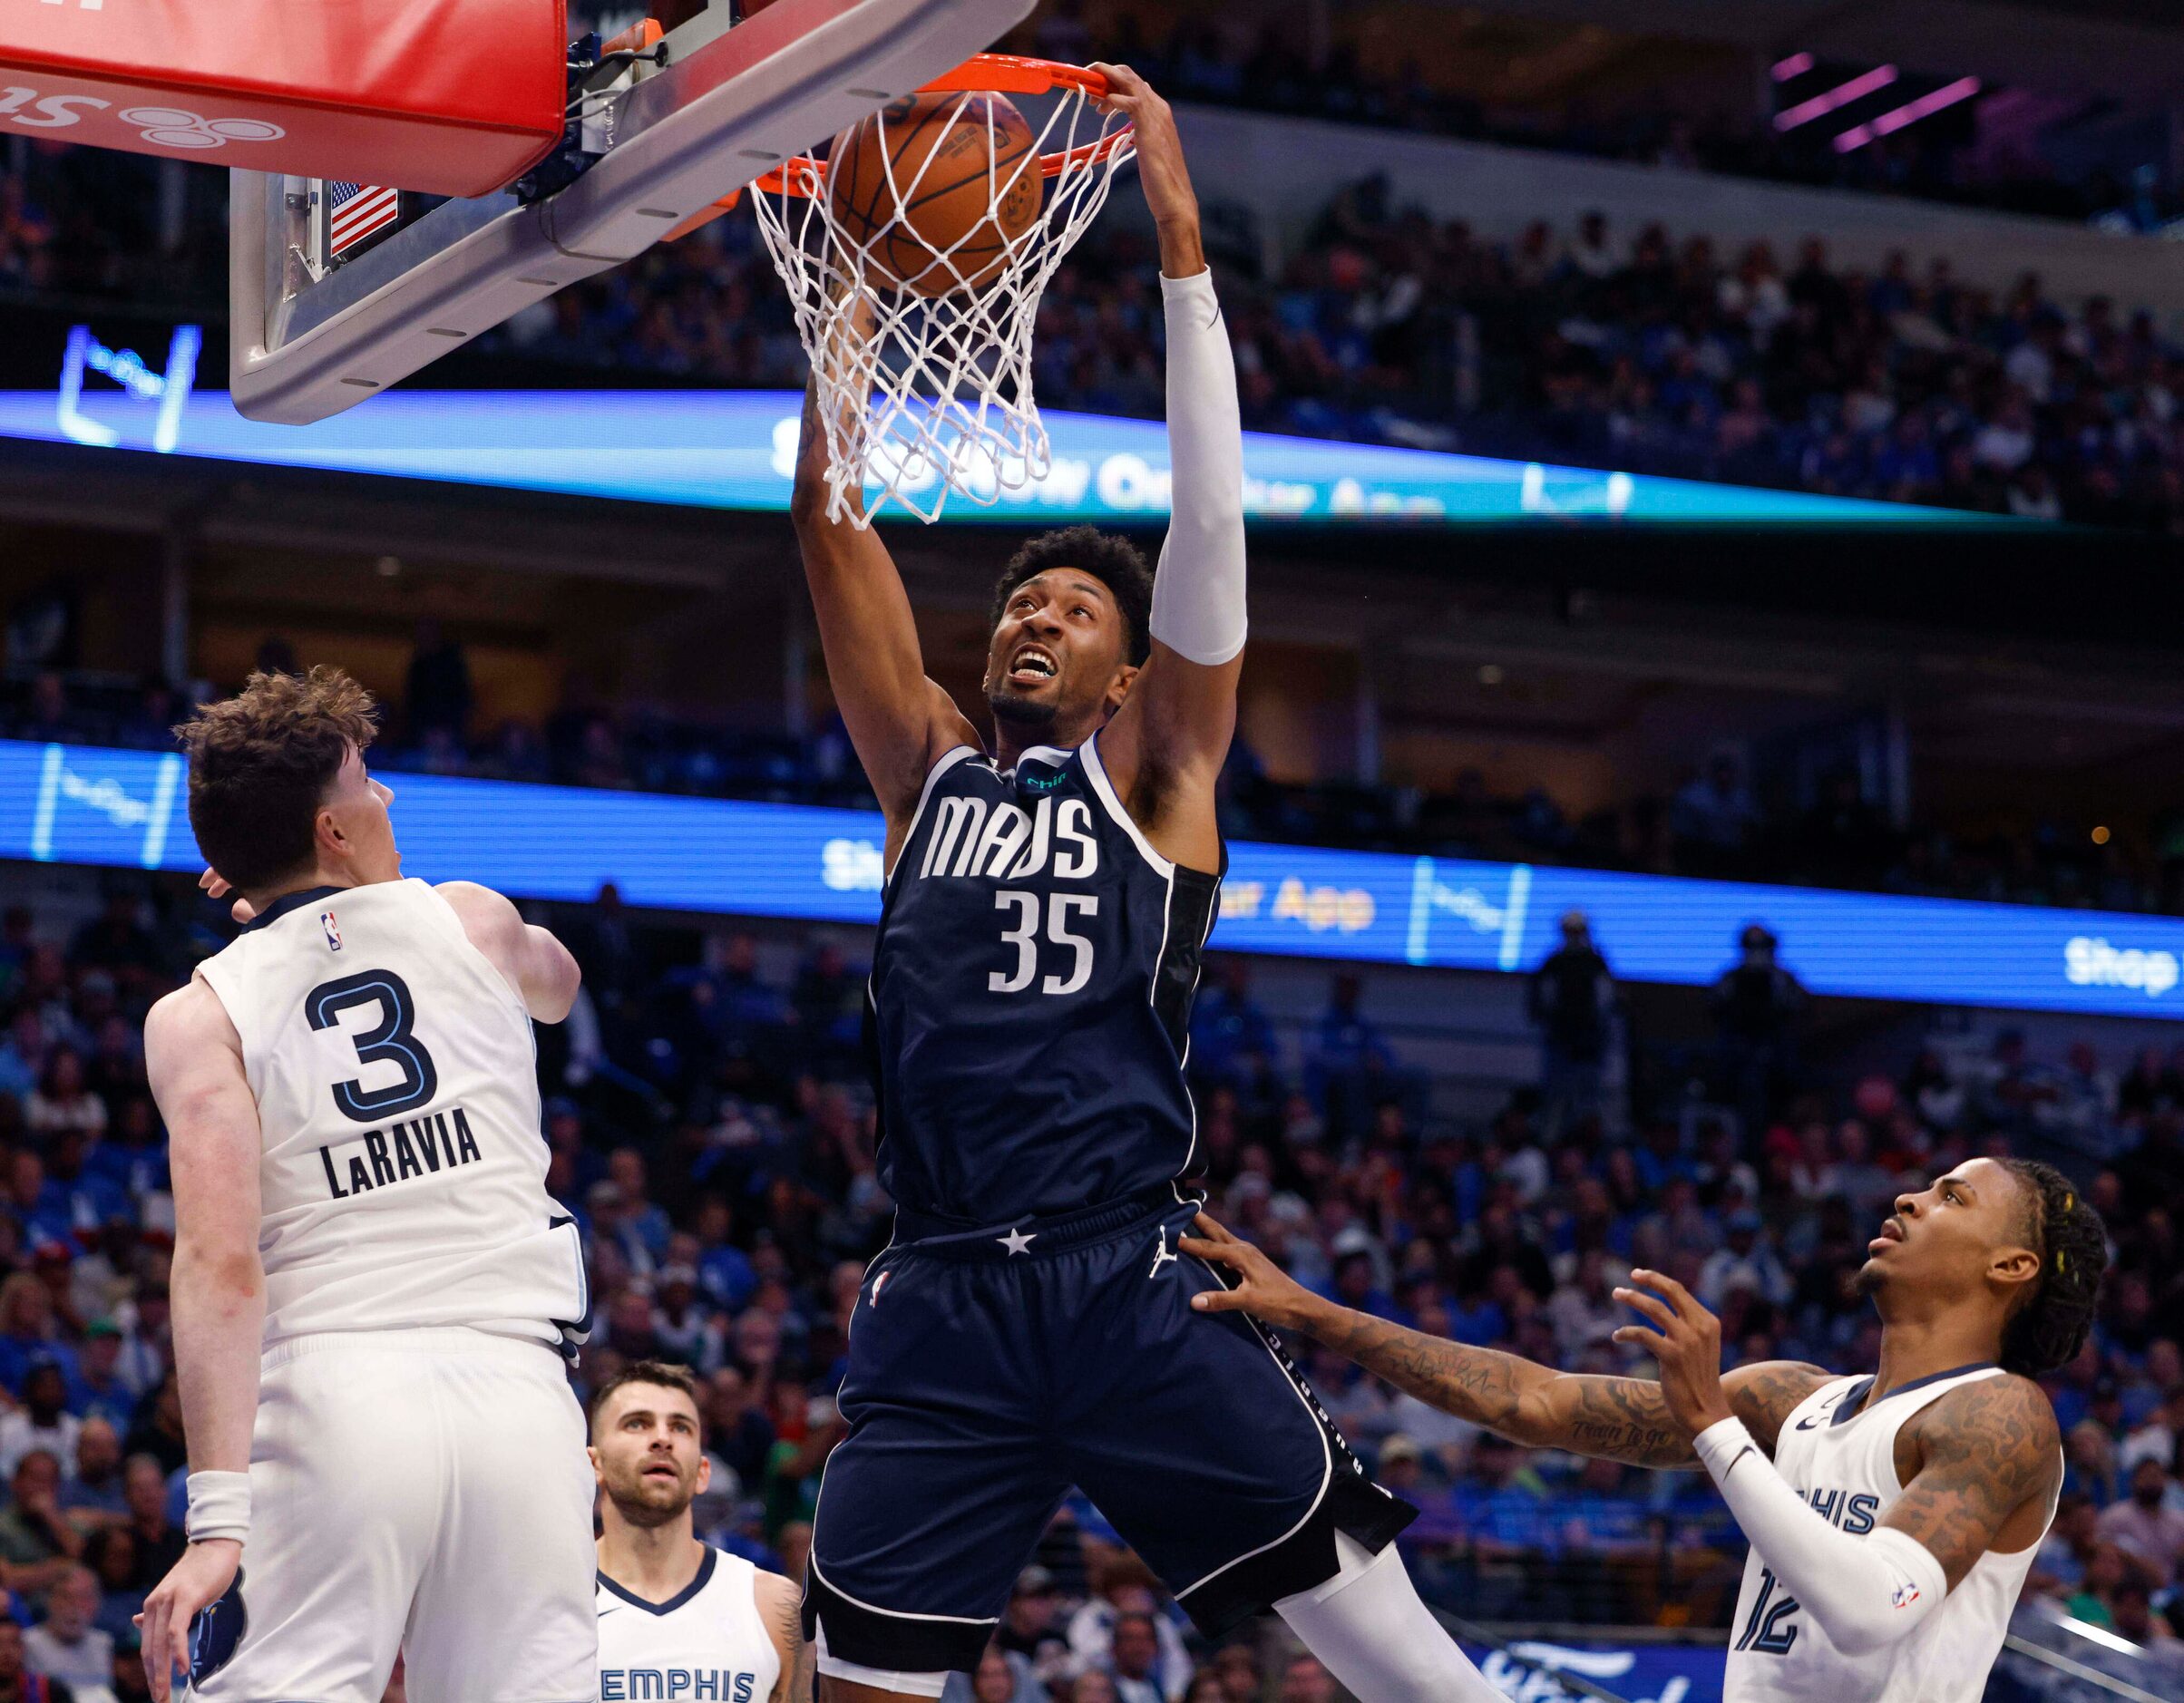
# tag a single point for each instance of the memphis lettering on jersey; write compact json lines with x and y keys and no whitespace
{"x":1851,"y":1513}
{"x":676,"y":1685}
{"x":971,"y":838}
{"x":380,"y":1158}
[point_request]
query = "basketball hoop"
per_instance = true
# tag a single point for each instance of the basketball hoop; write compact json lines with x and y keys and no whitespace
{"x":919,"y":329}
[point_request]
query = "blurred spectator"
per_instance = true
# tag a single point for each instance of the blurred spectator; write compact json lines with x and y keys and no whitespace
{"x":1756,"y":1007}
{"x":67,"y":1645}
{"x":438,"y":696}
{"x":2147,"y":1527}
{"x":1571,"y":999}
{"x":17,"y":1681}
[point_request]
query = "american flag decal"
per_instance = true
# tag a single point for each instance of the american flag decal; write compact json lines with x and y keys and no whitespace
{"x":357,"y":210}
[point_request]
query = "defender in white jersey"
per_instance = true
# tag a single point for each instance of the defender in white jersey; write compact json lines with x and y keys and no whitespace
{"x":678,"y":1618}
{"x":1892,"y":1518}
{"x":372,"y":1289}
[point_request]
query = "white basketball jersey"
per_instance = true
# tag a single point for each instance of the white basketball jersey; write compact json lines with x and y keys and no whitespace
{"x":1840,"y":1454}
{"x":706,"y":1645}
{"x":403,"y":1180}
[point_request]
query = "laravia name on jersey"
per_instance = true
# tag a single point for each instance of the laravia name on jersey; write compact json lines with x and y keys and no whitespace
{"x":689,"y":1685}
{"x":379,"y":1158}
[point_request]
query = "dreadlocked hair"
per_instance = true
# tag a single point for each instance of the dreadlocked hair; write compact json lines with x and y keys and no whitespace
{"x":2046,"y":1331}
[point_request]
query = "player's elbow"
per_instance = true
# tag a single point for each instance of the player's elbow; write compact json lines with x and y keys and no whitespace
{"x":228,"y":1277}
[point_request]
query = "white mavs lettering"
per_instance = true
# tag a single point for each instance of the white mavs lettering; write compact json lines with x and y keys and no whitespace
{"x":970,"y":838}
{"x":689,"y":1685}
{"x":400,"y":1150}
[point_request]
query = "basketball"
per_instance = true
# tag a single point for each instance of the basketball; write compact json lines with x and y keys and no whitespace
{"x":964,"y":184}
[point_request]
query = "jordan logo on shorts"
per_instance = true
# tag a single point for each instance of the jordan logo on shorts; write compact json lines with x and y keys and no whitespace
{"x":1160,"y":1254}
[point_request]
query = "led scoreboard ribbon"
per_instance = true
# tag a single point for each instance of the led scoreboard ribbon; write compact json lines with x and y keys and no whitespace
{"x":737,"y":450}
{"x":83,"y":804}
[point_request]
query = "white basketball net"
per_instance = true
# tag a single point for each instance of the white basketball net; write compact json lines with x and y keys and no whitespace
{"x":936,"y":396}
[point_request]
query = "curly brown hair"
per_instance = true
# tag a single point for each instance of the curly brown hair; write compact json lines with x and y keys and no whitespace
{"x":261,"y":763}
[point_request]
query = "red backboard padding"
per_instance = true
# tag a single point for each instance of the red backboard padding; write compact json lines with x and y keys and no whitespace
{"x":455,"y":97}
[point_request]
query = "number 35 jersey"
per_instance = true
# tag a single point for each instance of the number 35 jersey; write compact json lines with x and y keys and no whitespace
{"x":402,"y":1176}
{"x":1030,"y":995}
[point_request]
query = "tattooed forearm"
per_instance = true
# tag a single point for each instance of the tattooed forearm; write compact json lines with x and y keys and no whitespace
{"x":787,"y":1614}
{"x":1986,"y":1449}
{"x":1619,"y":1419}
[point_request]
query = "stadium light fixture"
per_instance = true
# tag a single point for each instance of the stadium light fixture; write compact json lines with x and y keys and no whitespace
{"x":1841,"y":95}
{"x":1909,"y":113}
{"x":1796,"y":65}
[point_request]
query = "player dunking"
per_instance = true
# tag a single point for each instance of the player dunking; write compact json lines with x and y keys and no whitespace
{"x":370,"y":1280}
{"x":1893,"y":1518}
{"x":679,"y":1618}
{"x":1031,"y":1327}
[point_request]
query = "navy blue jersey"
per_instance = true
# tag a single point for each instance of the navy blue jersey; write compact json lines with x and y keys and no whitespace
{"x":1030,"y":995}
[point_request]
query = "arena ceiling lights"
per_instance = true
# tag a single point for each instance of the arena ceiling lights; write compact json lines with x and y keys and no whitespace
{"x":1860,"y":104}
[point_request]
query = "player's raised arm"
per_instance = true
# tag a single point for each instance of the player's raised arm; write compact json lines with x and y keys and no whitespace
{"x":1623,"y":1419}
{"x":541,"y":970}
{"x":900,"y":720}
{"x":1164,"y":747}
{"x":194,"y":1060}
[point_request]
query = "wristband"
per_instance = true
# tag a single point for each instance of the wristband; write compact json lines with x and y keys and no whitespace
{"x":220,"y":1506}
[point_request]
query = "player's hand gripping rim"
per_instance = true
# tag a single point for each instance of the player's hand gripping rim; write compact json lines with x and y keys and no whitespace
{"x":1264,"y":1288}
{"x":1161,"y":173}
{"x":1686,"y":1339}
{"x":198,"y":1580}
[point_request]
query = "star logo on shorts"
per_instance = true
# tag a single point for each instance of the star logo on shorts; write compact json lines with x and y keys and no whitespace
{"x":1017,"y":1242}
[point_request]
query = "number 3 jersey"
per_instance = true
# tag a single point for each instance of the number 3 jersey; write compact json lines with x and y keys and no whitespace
{"x":1839,"y":1453}
{"x":403,"y":1177}
{"x":1030,"y":995}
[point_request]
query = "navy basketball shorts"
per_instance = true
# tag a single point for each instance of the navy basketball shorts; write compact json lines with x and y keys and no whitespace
{"x":989,"y":1371}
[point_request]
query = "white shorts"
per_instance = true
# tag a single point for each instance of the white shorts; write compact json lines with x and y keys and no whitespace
{"x":424,"y":1491}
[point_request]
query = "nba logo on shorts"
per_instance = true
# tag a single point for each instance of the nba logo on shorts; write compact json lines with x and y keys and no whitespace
{"x":326,"y":922}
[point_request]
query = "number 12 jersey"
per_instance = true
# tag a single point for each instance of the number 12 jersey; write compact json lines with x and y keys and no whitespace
{"x":1030,"y":1005}
{"x":402,"y":1171}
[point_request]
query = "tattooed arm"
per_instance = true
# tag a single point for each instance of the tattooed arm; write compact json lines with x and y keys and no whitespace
{"x":1987,"y":1456}
{"x":1617,"y":1418}
{"x":781,"y":1609}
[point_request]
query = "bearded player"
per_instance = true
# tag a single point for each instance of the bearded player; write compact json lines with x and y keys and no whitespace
{"x":1893,"y":1518}
{"x":372,"y":1288}
{"x":1047,"y":902}
{"x":679,"y":1618}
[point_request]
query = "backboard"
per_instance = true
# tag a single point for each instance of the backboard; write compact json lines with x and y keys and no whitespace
{"x":338,"y":290}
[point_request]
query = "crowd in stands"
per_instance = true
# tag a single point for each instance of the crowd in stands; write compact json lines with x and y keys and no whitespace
{"x":709,"y":1125}
{"x":1269,"y":68}
{"x":1644,"y":350}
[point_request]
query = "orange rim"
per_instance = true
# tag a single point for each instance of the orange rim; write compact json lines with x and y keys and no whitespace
{"x":981,"y":73}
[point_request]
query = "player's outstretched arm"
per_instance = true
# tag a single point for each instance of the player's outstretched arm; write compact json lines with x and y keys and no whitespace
{"x":541,"y":970}
{"x":781,"y":1607}
{"x":1164,"y":747}
{"x":193,"y":1058}
{"x":1616,"y":1418}
{"x":899,"y":721}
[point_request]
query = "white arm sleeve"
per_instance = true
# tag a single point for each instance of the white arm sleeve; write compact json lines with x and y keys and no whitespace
{"x":1865,"y":1591}
{"x":1198,"y":592}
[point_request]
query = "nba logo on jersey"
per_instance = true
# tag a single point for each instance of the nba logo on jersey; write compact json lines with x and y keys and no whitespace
{"x":1904,"y":1596}
{"x":333,"y":929}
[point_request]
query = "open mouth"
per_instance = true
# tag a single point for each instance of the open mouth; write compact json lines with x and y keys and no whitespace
{"x":662,"y":1471}
{"x":1033,"y":665}
{"x":1890,"y":1232}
